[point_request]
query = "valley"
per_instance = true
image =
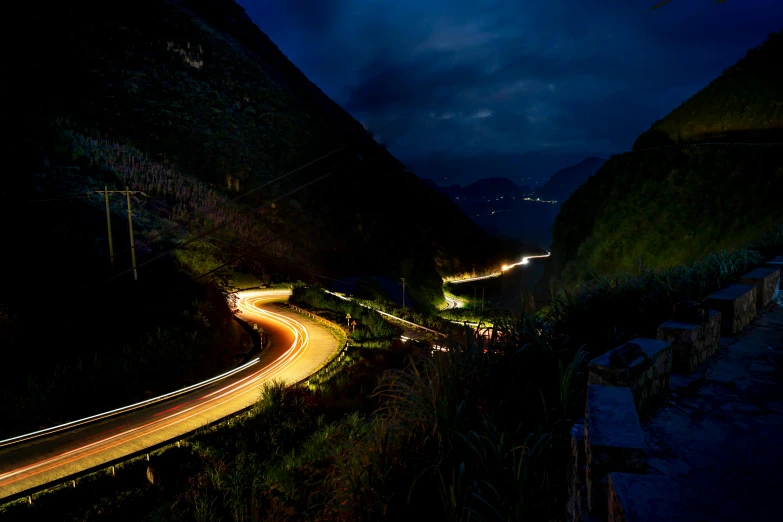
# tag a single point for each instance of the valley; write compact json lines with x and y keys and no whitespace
{"x":228,"y":297}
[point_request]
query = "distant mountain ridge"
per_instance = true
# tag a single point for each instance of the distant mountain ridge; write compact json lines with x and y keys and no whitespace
{"x":565,"y":181}
{"x":523,"y":168}
{"x":483,"y":189}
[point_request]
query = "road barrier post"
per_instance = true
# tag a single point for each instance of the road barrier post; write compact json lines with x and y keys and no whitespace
{"x":73,"y":483}
{"x":112,"y":471}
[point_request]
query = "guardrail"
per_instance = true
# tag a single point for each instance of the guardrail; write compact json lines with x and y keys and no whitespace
{"x":110,"y":466}
{"x":329,"y":367}
{"x":388,"y":314}
{"x":316,"y":318}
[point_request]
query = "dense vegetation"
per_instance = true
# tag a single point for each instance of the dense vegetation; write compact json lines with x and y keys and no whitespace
{"x":742,"y":105}
{"x":370,"y":328}
{"x":668,"y":206}
{"x":608,"y":310}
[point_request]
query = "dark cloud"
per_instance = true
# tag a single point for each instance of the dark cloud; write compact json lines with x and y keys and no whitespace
{"x":459,"y":78}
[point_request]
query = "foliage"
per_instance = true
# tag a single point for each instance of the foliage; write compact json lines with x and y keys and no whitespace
{"x":608,"y":310}
{"x":700,"y":198}
{"x":370,"y":325}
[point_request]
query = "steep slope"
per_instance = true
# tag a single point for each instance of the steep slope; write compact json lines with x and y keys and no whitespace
{"x":669,"y":205}
{"x":194,"y":87}
{"x":742,"y":105}
{"x":565,"y":181}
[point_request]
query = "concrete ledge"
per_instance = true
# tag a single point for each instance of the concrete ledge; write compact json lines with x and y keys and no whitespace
{"x":766,"y":281}
{"x":641,"y":498}
{"x":775,"y":263}
{"x":613,"y":441}
{"x":647,"y":378}
{"x":692,"y":344}
{"x":737,"y":306}
{"x":577,"y":492}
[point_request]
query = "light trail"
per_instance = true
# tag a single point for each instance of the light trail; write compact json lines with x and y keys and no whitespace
{"x":40,"y":457}
{"x":525,"y":260}
{"x":453,"y":302}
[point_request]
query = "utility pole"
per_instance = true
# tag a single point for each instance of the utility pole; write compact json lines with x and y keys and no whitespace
{"x":108,"y":224}
{"x":130,"y":227}
{"x":403,"y":291}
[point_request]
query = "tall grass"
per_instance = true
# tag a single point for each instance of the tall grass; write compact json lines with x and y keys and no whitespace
{"x":609,"y":310}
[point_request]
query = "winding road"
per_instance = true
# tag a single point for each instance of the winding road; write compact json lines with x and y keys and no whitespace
{"x":298,"y":347}
{"x":525,"y":260}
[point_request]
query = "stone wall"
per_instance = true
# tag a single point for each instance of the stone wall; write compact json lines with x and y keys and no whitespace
{"x":737,"y":306}
{"x":613,"y":441}
{"x":607,"y":474}
{"x":577,"y":492}
{"x":647,"y":377}
{"x":642,"y":498}
{"x":766,"y":281}
{"x":692,"y":344}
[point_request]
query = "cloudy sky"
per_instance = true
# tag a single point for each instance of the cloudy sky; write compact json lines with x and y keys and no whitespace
{"x":522,"y":86}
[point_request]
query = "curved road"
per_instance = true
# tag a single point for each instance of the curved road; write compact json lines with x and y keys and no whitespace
{"x":525,"y":260}
{"x":452,"y":302}
{"x":298,"y":347}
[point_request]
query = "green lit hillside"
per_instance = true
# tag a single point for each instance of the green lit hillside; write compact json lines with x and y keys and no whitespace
{"x":668,"y":205}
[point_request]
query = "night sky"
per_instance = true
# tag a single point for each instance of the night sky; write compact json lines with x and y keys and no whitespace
{"x":465,"y":89}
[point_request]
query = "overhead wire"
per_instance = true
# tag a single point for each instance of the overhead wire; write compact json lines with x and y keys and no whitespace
{"x":289,"y":173}
{"x":214,"y":229}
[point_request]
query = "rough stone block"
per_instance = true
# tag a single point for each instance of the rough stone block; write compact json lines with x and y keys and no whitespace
{"x":577,"y":493}
{"x":737,"y":307}
{"x":766,"y":281}
{"x":647,"y":377}
{"x":775,"y":263}
{"x":613,"y":441}
{"x":692,"y":344}
{"x":642,"y":498}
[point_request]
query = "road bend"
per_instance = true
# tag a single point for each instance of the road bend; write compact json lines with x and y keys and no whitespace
{"x":525,"y":260}
{"x":297,"y":348}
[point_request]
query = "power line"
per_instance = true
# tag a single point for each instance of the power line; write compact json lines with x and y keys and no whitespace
{"x":178,"y":225}
{"x":214,"y":229}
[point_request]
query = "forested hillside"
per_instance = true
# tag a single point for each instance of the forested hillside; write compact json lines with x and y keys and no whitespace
{"x":670,"y":205}
{"x":197,"y":96}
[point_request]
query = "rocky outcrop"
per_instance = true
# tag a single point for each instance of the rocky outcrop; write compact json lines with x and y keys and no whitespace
{"x":613,"y":441}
